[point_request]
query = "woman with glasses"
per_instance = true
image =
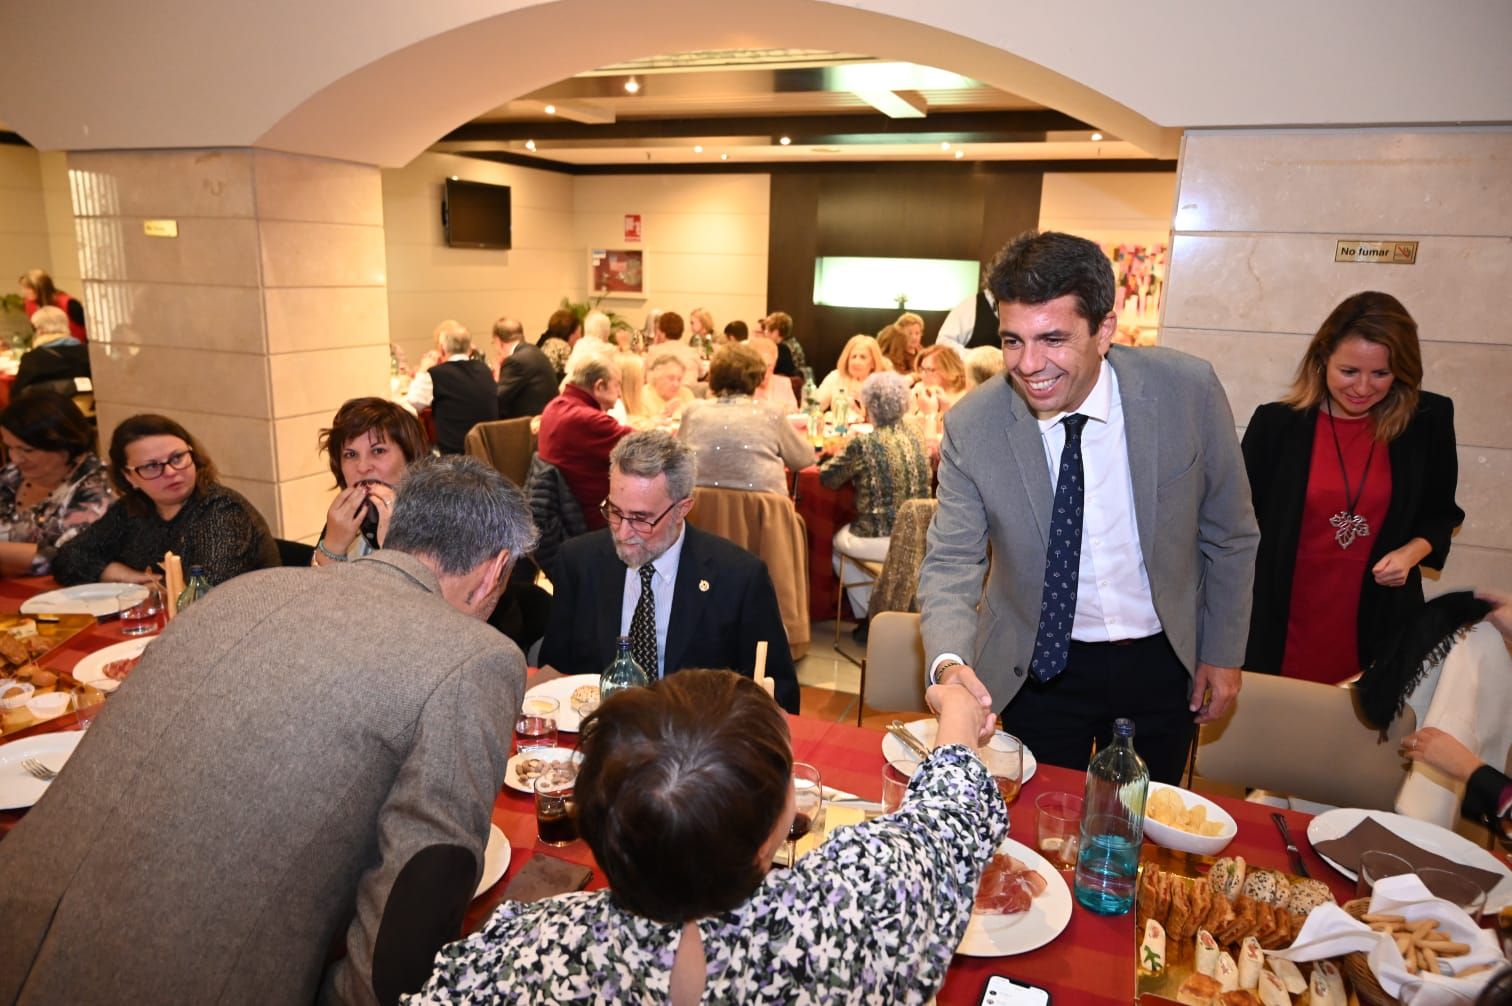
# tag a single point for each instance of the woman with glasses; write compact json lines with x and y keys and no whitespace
{"x":170,"y":501}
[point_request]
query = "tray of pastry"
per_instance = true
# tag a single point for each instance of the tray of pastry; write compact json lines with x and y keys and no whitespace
{"x":25,"y":642}
{"x":1203,"y":927}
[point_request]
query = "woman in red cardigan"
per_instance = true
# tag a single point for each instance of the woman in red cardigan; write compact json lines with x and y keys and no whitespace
{"x":1353,"y":476}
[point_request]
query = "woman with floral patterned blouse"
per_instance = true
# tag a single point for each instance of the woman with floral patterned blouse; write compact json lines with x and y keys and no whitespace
{"x":684,"y":795}
{"x":54,"y":485}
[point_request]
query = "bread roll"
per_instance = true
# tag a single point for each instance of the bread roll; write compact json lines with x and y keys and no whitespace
{"x":1198,"y":990}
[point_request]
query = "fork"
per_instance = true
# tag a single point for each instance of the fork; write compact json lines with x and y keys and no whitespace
{"x":37,"y":770}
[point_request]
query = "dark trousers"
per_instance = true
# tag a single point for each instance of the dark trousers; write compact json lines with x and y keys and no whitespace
{"x":1061,"y":720}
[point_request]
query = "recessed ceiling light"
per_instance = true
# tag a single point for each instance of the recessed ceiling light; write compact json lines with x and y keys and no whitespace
{"x":1096,"y":137}
{"x":724,"y":157}
{"x":698,"y":148}
{"x":785,"y":140}
{"x":632,"y":85}
{"x":529,"y":144}
{"x":960,"y":154}
{"x":550,"y":109}
{"x":944,"y":144}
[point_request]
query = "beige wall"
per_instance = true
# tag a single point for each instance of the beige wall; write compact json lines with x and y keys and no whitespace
{"x":705,"y":238}
{"x":1252,"y":276}
{"x":1109,"y":208}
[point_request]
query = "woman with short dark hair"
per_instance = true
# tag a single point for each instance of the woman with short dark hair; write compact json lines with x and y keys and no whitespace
{"x":563,"y":329}
{"x":54,"y":485}
{"x":684,"y":796}
{"x":742,"y":443}
{"x":370,"y":443}
{"x":170,"y":501}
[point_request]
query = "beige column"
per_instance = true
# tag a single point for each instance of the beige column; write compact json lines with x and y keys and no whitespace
{"x":1252,"y":276}
{"x":242,"y":293}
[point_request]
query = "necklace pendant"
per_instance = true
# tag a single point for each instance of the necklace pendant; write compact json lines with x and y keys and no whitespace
{"x":1347,"y":527}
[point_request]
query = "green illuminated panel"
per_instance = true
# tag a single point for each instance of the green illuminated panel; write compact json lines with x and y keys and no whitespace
{"x":930,"y":284}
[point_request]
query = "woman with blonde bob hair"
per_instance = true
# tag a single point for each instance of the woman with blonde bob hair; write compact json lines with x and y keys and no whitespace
{"x":861,"y":358}
{"x":1353,"y":477}
{"x":942,"y":381}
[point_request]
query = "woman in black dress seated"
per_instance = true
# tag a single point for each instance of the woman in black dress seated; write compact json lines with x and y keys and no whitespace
{"x":170,"y":501}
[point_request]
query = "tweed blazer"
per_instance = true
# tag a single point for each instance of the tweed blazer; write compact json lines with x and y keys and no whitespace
{"x":1192,"y":512}
{"x":304,"y":753}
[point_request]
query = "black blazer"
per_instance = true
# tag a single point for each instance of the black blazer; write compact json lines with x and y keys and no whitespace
{"x":527,"y":381}
{"x":54,"y":366}
{"x":722,"y":606}
{"x":1278,"y":448}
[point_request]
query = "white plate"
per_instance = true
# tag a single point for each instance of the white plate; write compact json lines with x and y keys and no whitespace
{"x":18,"y":788}
{"x":91,"y":669}
{"x":97,"y":599}
{"x":1423,"y":834}
{"x":1047,"y":917}
{"x":495,"y":859}
{"x":561,"y":689}
{"x":512,"y":779}
{"x":925,"y":730}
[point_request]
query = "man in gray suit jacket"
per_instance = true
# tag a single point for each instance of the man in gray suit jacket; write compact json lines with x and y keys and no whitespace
{"x":1100,"y":492}
{"x":304,"y":753}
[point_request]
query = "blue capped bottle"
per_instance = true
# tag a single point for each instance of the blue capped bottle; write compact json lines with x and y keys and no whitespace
{"x":623,"y":672}
{"x":1112,"y":825}
{"x":197,"y":587}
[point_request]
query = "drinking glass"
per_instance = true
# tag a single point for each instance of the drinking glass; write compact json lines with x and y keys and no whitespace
{"x":1377,"y":865}
{"x":895,"y":776}
{"x":146,"y":615}
{"x":555,"y":820}
{"x":808,"y":800}
{"x":1455,"y":889}
{"x":1058,"y":833}
{"x":86,"y":707}
{"x":1004,"y":758}
{"x":536,"y":726}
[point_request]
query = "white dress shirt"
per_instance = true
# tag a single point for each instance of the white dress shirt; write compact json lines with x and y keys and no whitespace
{"x":955,"y":330}
{"x":662,"y":583}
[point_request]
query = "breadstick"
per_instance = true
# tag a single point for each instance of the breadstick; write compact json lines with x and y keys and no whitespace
{"x":1394,"y":919}
{"x":1412,"y":961}
{"x":1444,"y":946}
{"x":1430,"y":961}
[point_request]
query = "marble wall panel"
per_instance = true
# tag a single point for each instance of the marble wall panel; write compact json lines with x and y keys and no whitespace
{"x":1479,"y":379}
{"x":314,"y":190}
{"x":295,"y":444}
{"x":303,"y":505}
{"x":1484,"y":474}
{"x":320,"y":380}
{"x":166,"y":183}
{"x":214,"y":252}
{"x":175,"y":315}
{"x":307,"y":318}
{"x":1254,"y":367}
{"x":154,"y":378}
{"x":299,"y":254}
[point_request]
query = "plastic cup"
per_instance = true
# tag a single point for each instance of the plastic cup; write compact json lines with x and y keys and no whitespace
{"x":1058,"y":827}
{"x":895,"y":776}
{"x":1377,"y":865}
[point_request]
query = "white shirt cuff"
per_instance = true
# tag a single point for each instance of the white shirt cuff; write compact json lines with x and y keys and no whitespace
{"x":934,"y":668}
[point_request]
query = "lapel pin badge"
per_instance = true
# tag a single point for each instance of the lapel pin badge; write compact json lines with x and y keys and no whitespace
{"x":703,"y":585}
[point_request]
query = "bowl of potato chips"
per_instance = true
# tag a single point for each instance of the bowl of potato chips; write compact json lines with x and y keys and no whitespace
{"x":1180,"y":819}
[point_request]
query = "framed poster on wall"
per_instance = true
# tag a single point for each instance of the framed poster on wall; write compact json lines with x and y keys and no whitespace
{"x":617,"y":272}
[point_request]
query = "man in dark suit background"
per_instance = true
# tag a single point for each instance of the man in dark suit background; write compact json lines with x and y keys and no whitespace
{"x":527,"y":380}
{"x":686,"y":598}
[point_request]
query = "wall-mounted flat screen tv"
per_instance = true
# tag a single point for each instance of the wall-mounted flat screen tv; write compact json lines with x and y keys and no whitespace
{"x":476,"y":215}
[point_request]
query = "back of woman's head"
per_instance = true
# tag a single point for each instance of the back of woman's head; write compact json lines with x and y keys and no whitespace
{"x":383,"y":419}
{"x":680,"y":788}
{"x":561,"y":325}
{"x":737,"y":369}
{"x":145,"y":425}
{"x":48,"y":421}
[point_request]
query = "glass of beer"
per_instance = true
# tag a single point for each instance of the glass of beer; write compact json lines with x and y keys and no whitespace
{"x":556,"y":823}
{"x":1058,"y":833}
{"x":536,"y":726}
{"x":1004,"y":758}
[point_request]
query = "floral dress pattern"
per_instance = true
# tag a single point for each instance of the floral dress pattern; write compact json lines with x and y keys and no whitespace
{"x":80,"y":499}
{"x":873,"y":915}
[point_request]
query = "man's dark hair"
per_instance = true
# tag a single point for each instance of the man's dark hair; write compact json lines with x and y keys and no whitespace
{"x":680,"y":788}
{"x":1035,"y":268}
{"x":737,"y":330}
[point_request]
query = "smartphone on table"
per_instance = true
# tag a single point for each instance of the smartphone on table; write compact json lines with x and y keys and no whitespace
{"x":1001,"y":990}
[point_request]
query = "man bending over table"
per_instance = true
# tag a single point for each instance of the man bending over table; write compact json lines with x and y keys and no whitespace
{"x":303,"y":752}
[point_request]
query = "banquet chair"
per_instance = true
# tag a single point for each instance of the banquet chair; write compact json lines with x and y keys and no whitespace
{"x":766,"y":524}
{"x":892,"y":672}
{"x":1307,"y":740}
{"x":505,"y":444}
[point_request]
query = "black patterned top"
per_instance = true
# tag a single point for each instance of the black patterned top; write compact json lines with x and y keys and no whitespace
{"x":217,"y":529}
{"x":873,"y":915}
{"x":888,"y":466}
{"x":79,"y":500}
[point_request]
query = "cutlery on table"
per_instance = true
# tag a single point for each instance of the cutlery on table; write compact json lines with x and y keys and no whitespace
{"x":1291,"y":847}
{"x":898,"y":730}
{"x":37,"y":770}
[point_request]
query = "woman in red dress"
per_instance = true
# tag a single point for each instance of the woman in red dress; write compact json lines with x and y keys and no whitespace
{"x":1353,"y":475}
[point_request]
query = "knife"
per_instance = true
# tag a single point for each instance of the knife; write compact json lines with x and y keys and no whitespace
{"x":898,"y":730}
{"x":1291,"y":847}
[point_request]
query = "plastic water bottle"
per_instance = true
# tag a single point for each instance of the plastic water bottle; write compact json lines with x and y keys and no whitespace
{"x":1112,"y":825}
{"x":197,"y":587}
{"x":623,"y":672}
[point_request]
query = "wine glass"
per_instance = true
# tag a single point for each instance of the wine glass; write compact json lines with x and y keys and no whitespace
{"x":808,"y":801}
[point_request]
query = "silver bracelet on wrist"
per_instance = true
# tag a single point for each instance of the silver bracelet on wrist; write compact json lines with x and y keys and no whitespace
{"x":320,"y":546}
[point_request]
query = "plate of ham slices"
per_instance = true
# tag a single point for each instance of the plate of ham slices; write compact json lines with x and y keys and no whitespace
{"x":107,"y":668}
{"x":1022,"y":903}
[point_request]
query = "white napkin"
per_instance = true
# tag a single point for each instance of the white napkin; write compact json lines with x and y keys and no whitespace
{"x":1331,"y":932}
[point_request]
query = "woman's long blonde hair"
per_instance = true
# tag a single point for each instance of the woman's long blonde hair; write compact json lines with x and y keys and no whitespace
{"x":1375,"y":317}
{"x":632,"y":383}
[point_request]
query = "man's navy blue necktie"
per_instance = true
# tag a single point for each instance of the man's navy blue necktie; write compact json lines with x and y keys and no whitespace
{"x":1062,"y":560}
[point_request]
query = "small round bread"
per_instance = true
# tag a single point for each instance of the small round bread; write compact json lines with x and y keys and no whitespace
{"x":1306,"y":895}
{"x":585,"y":699}
{"x":1267,"y":886}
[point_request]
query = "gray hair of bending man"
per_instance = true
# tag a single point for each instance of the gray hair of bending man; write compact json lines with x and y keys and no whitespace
{"x":884,"y":396}
{"x":652,"y":453}
{"x":592,"y":368}
{"x":459,"y":512}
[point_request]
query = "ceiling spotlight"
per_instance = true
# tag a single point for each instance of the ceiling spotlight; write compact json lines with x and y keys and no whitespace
{"x":785,"y":140}
{"x":960,"y":154}
{"x":724,"y":157}
{"x":1096,"y":137}
{"x":698,"y":148}
{"x":529,"y":144}
{"x":944,"y":144}
{"x":550,"y":109}
{"x":632,"y":85}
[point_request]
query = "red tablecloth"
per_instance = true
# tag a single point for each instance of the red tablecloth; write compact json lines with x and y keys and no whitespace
{"x":824,"y":511}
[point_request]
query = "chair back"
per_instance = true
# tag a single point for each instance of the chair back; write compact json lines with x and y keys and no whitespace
{"x":1305,"y":739}
{"x":768,"y":525}
{"x":294,"y":553}
{"x":892,"y":678}
{"x":506,"y":444}
{"x":898,"y":584}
